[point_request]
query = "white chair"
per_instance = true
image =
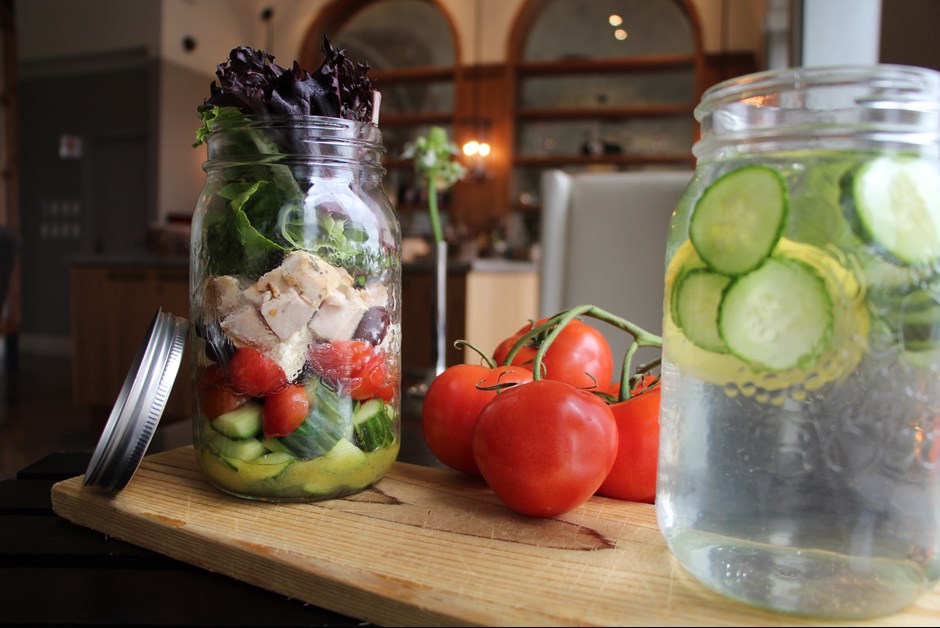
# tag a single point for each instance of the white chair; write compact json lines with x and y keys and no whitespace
{"x":603,"y":240}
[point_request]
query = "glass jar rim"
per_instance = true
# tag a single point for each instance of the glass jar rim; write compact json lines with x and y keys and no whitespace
{"x":908,"y":85}
{"x":844,"y":107}
{"x":327,"y":140}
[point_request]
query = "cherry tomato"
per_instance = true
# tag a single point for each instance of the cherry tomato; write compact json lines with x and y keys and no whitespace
{"x":633,"y":476}
{"x":545,"y":447}
{"x":215,"y":396}
{"x":284,"y":410}
{"x":580,"y":355}
{"x":451,"y":407}
{"x":254,"y":374}
{"x":356,"y":367}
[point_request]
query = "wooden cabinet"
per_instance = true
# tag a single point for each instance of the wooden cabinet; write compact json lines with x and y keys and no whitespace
{"x":112,"y":308}
{"x":418,"y":353}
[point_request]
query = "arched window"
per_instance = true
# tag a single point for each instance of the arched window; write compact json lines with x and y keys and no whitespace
{"x":605,"y":84}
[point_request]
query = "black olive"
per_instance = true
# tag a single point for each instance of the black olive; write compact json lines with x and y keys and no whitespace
{"x":373,"y":325}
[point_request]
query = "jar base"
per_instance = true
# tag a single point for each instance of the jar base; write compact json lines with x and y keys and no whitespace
{"x":800,"y":581}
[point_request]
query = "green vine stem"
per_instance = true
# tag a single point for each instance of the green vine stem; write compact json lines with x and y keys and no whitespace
{"x":490,"y":362}
{"x":555,"y":324}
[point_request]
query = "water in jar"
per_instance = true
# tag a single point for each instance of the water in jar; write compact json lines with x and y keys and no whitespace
{"x":801,"y":400}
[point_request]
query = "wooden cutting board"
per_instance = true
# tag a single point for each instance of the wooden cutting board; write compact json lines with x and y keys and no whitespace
{"x":425,"y":546}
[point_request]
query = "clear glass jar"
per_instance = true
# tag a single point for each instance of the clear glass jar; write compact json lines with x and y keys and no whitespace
{"x":295,"y":308}
{"x":800,"y":420}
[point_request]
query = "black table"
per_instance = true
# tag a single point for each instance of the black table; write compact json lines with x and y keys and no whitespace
{"x":55,"y":572}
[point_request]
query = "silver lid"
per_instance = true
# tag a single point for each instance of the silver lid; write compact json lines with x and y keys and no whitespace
{"x":140,"y":404}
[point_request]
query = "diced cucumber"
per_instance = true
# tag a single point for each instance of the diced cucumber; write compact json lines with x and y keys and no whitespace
{"x":244,"y":449}
{"x":739,"y":219}
{"x":371,"y":425}
{"x":894,"y":202}
{"x":264,"y":467}
{"x":695,"y":305}
{"x":777,"y":317}
{"x":243,"y":422}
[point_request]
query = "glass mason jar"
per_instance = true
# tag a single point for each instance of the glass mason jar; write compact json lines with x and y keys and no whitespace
{"x":800,"y":421}
{"x":295,"y":307}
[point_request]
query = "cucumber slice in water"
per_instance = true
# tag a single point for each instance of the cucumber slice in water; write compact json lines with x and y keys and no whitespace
{"x":777,"y":317}
{"x":695,"y":304}
{"x":895,"y":203}
{"x":739,"y":219}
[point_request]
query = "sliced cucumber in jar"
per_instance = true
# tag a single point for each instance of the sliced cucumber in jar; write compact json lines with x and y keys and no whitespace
{"x":695,"y":304}
{"x":894,"y":202}
{"x":739,"y":219}
{"x":777,"y":317}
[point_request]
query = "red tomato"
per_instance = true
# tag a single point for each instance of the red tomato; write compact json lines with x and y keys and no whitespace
{"x":356,"y":367}
{"x":215,"y":396}
{"x":451,"y":407}
{"x":545,"y":447}
{"x":580,"y":355}
{"x":633,"y":476}
{"x":254,"y":374}
{"x":284,"y":410}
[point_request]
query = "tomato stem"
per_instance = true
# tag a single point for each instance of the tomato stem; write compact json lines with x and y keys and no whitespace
{"x":554,"y":325}
{"x":490,"y":362}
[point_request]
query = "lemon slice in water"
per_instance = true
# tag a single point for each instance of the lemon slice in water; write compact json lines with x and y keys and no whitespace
{"x":848,"y":341}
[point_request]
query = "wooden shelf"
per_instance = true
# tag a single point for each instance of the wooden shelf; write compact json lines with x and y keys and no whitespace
{"x":596,"y":65}
{"x":414,"y":119}
{"x":626,"y":111}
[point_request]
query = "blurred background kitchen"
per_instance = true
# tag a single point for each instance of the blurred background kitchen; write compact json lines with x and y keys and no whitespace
{"x":98,"y":179}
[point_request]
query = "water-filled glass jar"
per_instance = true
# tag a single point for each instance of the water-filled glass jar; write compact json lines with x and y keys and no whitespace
{"x":800,"y":423}
{"x":295,"y":309}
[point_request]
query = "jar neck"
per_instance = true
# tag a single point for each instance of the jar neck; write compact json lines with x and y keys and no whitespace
{"x":303,"y":141}
{"x":822,"y":108}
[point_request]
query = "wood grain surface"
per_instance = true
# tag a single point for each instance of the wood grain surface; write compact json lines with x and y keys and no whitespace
{"x":426,"y":546}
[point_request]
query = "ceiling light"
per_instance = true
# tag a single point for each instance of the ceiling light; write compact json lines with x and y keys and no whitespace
{"x":620,"y":34}
{"x":615,"y":20}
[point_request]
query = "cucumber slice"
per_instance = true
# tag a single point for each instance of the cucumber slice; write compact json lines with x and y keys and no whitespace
{"x":920,"y":322}
{"x":739,"y":219}
{"x":240,"y":423}
{"x":371,"y":425}
{"x":338,"y":464}
{"x":777,"y":317}
{"x":245,"y":449}
{"x":894,"y":202}
{"x":695,"y":304}
{"x":265,"y":467}
{"x":329,"y":420}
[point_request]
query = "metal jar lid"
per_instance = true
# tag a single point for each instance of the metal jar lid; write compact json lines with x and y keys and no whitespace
{"x":140,"y":404}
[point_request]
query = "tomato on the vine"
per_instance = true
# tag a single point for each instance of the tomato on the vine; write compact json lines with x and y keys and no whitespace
{"x":452,"y":404}
{"x":284,"y":410}
{"x":580,"y":355}
{"x":356,"y":367}
{"x":545,"y":447}
{"x":633,"y":476}
{"x":254,"y":374}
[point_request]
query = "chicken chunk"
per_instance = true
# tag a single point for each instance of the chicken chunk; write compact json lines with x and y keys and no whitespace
{"x":339,"y":314}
